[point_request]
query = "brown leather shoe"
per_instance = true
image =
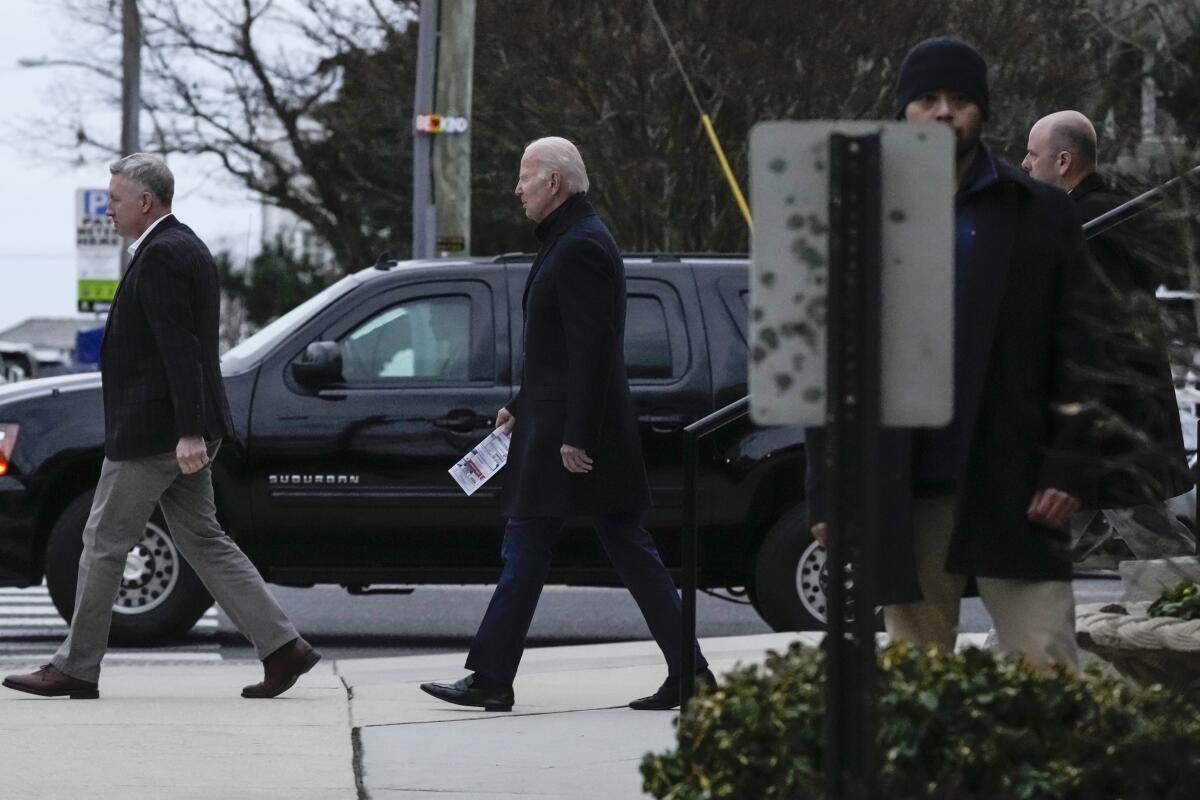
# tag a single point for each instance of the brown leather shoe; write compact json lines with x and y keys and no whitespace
{"x":283,"y":668}
{"x":49,"y":681}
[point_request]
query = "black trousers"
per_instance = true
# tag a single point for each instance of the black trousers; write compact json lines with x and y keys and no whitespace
{"x":528,"y":547}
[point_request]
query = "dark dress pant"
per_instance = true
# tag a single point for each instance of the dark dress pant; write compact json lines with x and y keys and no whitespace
{"x":527,"y":550}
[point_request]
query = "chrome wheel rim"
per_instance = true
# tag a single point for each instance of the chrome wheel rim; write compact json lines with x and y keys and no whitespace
{"x":811,"y":580}
{"x":151,"y":572}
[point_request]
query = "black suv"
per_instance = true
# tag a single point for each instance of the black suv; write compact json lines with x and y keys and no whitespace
{"x":350,"y":409}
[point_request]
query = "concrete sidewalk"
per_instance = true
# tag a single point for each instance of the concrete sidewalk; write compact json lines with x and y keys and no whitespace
{"x":179,"y":733}
{"x":352,"y":730}
{"x":570,"y":734}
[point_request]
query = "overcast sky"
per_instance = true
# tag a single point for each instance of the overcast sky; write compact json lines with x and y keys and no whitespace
{"x":37,"y":255}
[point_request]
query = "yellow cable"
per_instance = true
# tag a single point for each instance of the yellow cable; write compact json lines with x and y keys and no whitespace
{"x":733,"y":185}
{"x":708,"y":128}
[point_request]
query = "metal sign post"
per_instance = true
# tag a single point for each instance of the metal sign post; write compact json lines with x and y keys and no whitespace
{"x":853,"y":495}
{"x":852,"y":303}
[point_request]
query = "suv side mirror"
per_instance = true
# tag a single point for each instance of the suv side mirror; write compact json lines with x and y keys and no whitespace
{"x":319,"y":365}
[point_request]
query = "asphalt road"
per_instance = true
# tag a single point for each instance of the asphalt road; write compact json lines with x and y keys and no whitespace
{"x":434,"y":619}
{"x":439,"y":619}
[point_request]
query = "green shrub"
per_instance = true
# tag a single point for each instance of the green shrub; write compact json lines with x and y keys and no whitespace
{"x":959,"y":726}
{"x":1181,"y":601}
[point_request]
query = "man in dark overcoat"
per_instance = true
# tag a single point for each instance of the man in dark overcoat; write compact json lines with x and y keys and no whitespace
{"x":575,"y":448}
{"x":987,"y":497}
{"x":1142,"y":461}
{"x":165,"y":413}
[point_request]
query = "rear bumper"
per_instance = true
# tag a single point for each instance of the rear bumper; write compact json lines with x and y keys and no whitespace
{"x":18,"y":517}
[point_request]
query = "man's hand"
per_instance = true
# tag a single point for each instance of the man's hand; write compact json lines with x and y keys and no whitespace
{"x":192,"y":454}
{"x":575,"y":459}
{"x":820,"y":532}
{"x":506,"y":419}
{"x":1052,"y":507}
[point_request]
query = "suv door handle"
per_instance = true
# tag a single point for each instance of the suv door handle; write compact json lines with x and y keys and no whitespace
{"x":664,"y":423}
{"x":463,"y":421}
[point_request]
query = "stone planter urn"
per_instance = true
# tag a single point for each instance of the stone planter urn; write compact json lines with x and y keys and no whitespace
{"x":1149,"y":650}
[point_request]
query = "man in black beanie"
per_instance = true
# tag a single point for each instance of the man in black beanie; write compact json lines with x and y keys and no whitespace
{"x":988,"y":496}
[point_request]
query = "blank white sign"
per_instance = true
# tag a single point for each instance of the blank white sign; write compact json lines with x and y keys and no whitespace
{"x":789,"y":190}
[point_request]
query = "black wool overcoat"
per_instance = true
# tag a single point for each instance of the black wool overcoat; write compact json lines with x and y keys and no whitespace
{"x":1140,"y":439}
{"x":1027,"y":354}
{"x":160,"y":356}
{"x":574,"y":389}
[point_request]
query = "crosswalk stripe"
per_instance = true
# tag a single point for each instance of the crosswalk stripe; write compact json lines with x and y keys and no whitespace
{"x":116,"y":656}
{"x":9,"y":611}
{"x":51,"y":618}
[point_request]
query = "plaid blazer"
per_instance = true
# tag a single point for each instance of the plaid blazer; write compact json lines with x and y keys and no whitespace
{"x":159,"y":357}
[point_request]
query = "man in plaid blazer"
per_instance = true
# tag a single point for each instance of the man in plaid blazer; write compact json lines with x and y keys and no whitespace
{"x":165,"y":412}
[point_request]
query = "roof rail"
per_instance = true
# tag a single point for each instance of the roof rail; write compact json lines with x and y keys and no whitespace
{"x":677,"y":255}
{"x":660,"y":256}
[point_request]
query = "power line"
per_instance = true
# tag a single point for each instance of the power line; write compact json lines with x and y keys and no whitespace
{"x":705,"y":120}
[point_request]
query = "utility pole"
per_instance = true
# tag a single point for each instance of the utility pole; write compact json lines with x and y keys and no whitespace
{"x":131,"y":83}
{"x":424,"y":224}
{"x":452,"y":151}
{"x":441,"y":140}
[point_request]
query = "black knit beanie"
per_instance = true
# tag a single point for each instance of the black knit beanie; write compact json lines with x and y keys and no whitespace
{"x":944,"y":63}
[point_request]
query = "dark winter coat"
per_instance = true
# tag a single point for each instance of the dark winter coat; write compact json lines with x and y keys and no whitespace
{"x":159,"y":358}
{"x":1141,"y":443}
{"x":1023,"y":349}
{"x":574,"y":389}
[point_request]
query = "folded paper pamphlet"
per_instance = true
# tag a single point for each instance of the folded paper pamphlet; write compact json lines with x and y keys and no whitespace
{"x":484,"y":461}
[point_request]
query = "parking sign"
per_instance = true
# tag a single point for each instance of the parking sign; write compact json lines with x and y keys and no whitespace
{"x":97,"y":251}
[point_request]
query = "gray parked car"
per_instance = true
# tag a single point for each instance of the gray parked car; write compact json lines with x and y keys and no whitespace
{"x":17,"y":362}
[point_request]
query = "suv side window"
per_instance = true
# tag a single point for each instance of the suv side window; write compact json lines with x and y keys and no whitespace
{"x":647,"y":343}
{"x":656,"y":340}
{"x":736,"y":297}
{"x":425,"y":338}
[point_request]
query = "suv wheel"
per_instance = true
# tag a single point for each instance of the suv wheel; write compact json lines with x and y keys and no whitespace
{"x":789,"y":576}
{"x":160,"y":596}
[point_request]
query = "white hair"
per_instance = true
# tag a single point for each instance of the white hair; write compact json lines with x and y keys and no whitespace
{"x":556,"y":154}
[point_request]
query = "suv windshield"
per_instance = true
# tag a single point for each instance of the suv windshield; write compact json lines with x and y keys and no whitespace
{"x":248,"y":351}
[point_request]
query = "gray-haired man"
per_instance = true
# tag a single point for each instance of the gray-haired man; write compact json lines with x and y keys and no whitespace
{"x":165,"y":412}
{"x":575,"y":444}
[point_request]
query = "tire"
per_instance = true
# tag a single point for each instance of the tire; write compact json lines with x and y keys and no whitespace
{"x":160,"y":598}
{"x":789,"y":574}
{"x":790,"y":577}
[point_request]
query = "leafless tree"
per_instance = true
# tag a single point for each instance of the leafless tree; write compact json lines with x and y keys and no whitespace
{"x":304,"y":102}
{"x":600,"y":73}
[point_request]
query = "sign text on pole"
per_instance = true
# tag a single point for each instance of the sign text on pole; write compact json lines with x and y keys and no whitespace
{"x":97,"y":251}
{"x":441,"y":123}
{"x":789,"y":183}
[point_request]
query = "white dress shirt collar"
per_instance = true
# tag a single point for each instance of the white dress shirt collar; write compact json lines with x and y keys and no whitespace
{"x":137,"y":242}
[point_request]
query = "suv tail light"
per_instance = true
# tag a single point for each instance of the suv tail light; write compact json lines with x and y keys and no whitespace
{"x":8,"y":441}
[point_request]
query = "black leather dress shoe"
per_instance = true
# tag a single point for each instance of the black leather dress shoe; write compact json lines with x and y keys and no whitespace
{"x":473,"y":691}
{"x":667,"y":696}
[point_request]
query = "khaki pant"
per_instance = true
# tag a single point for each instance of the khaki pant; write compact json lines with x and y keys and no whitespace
{"x":1035,"y":619}
{"x":125,"y":498}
